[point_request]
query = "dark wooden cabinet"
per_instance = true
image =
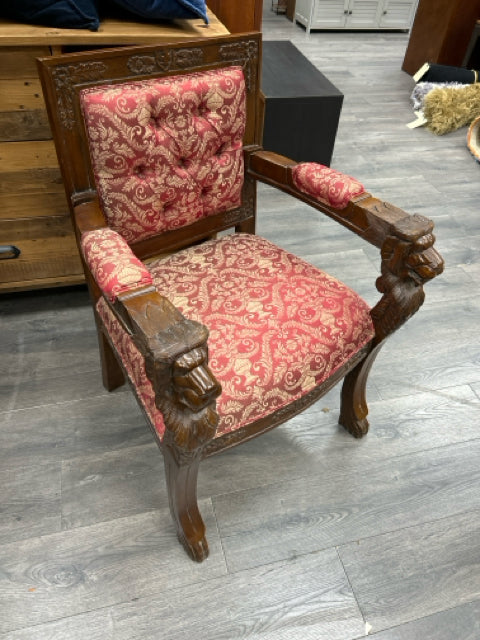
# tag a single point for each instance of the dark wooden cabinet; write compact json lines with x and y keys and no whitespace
{"x":238,"y":16}
{"x":441,"y":33}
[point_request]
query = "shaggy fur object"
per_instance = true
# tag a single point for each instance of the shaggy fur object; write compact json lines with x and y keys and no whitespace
{"x":422,"y":88}
{"x":450,"y":108}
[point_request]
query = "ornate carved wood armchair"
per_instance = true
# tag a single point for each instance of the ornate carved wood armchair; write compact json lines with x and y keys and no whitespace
{"x":222,"y":337}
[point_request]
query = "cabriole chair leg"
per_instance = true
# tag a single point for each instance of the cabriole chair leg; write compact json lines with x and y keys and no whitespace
{"x":182,"y":496}
{"x":353,"y":407}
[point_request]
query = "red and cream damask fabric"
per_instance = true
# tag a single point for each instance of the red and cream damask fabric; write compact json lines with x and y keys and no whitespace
{"x":278,"y":326}
{"x":327,"y":185}
{"x":167,"y":152}
{"x":133,"y":363}
{"x":112,"y":263}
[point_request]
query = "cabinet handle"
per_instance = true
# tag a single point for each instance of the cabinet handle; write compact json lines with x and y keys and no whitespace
{"x":385,"y":12}
{"x":9,"y":252}
{"x":345,"y":12}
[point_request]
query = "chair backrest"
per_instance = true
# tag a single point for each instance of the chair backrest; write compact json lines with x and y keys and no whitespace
{"x":158,"y":133}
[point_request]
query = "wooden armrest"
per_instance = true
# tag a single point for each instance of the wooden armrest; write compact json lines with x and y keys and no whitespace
{"x":176,"y":362}
{"x":174,"y":348}
{"x":408,"y":257}
{"x":88,"y":214}
{"x":365,"y":215}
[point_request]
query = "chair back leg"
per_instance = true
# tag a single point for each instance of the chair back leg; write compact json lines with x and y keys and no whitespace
{"x":112,"y":373}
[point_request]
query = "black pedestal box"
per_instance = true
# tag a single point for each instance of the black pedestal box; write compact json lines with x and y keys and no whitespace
{"x":302,"y":107}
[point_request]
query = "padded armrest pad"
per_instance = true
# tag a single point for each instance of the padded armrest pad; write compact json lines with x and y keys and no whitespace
{"x":112,"y":263}
{"x":331,"y":187}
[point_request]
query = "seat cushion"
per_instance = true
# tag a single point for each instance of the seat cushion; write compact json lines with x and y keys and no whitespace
{"x":167,"y":151}
{"x":278,"y":326}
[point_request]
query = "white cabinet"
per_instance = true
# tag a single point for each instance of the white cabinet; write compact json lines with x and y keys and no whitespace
{"x":397,"y":14}
{"x":362,"y":14}
{"x":355,"y":14}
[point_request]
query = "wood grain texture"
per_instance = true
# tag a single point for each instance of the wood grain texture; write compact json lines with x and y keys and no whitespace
{"x":315,"y":512}
{"x":70,"y":429}
{"x":47,"y":247}
{"x":92,"y":567}
{"x":20,"y":61}
{"x":461,"y":623}
{"x":21,"y":93}
{"x":112,"y":485}
{"x":31,"y":501}
{"x":306,"y":598}
{"x":416,"y":571}
{"x":24,"y":125}
{"x":112,"y":32}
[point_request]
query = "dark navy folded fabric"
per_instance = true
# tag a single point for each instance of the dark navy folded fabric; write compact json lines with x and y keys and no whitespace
{"x":66,"y":14}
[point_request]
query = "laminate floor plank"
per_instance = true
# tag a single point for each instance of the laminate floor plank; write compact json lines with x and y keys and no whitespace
{"x":306,"y":598}
{"x":418,"y":571}
{"x":89,"y":568}
{"x":476,"y":388}
{"x":459,"y":623}
{"x":27,"y":392}
{"x":115,"y":484}
{"x":316,"y":512}
{"x":398,"y":427}
{"x":30,"y":502}
{"x":54,"y":432}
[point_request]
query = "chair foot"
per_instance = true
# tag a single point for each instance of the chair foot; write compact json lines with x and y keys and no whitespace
{"x":354,"y":409}
{"x":198,"y":550}
{"x":182,"y":495}
{"x":358,"y":428}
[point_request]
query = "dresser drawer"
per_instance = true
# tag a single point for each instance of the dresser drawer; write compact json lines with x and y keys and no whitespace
{"x":48,"y":253}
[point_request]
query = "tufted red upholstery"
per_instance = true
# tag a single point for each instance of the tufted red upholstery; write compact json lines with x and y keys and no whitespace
{"x":327,"y":185}
{"x":278,"y":326}
{"x":112,"y":263}
{"x":167,"y":152}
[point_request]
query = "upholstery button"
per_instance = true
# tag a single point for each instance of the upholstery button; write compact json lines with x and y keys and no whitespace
{"x":140,"y":170}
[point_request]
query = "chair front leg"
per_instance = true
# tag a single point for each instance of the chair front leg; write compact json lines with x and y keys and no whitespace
{"x":408,"y":262}
{"x":191,"y":421}
{"x":176,"y":362}
{"x":182,"y":497}
{"x":353,"y":407}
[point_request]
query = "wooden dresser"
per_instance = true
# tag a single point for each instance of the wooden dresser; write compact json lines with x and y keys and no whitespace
{"x":33,"y":210}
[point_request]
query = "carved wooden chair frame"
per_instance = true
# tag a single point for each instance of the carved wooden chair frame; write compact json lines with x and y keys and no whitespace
{"x":174,"y":347}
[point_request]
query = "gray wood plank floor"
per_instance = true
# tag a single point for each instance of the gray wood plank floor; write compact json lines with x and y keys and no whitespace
{"x":312,"y":533}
